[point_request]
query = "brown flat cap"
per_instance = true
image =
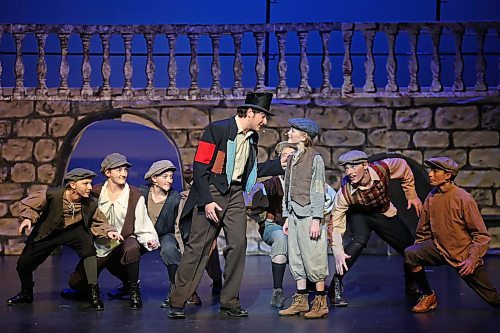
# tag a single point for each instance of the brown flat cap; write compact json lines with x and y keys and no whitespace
{"x":443,"y":163}
{"x":77,"y":174}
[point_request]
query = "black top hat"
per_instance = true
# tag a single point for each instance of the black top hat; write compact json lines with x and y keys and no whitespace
{"x":259,"y":101}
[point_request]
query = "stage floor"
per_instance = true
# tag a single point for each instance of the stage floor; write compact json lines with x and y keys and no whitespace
{"x":374,"y":289}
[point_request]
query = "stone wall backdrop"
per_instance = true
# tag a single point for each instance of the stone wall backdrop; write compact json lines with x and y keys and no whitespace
{"x":37,"y":137}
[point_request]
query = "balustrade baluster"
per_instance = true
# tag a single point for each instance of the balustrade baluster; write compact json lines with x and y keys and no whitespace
{"x":326,"y":65}
{"x":458,"y":64}
{"x":282,"y":88}
{"x":215,"y":89}
{"x":237,"y":89}
{"x":41,"y":68}
{"x":128,"y":69}
{"x":172,"y":89}
{"x":19,"y":65}
{"x":369,"y":85}
{"x":347,"y":33}
{"x":64,"y":66}
{"x":391,"y":65}
{"x":480,"y":61}
{"x":150,"y":65}
{"x":413,"y":34}
{"x":436,"y":31}
{"x":260,"y":66}
{"x":194,"y":69}
{"x":86,"y":90}
{"x":304,"y":88}
{"x":105,"y":90}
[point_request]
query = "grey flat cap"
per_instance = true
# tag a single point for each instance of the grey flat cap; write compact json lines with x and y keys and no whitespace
{"x":159,"y":167}
{"x":282,"y":145}
{"x":443,"y":163}
{"x":353,"y":157}
{"x":114,"y":160}
{"x":305,"y":124}
{"x":77,"y":174}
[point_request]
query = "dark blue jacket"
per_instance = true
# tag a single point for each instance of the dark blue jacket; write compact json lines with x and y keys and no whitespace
{"x":166,"y":220}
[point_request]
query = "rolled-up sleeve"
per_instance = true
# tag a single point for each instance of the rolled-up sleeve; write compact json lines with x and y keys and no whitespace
{"x":32,"y":206}
{"x":144,"y":228}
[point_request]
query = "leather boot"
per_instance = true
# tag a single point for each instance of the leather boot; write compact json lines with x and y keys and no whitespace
{"x":166,"y":301}
{"x":426,"y":303}
{"x":95,"y":297}
{"x":336,"y":292}
{"x":299,"y":304}
{"x":25,"y":296}
{"x":319,"y":308}
{"x":278,"y":299}
{"x":135,"y":296}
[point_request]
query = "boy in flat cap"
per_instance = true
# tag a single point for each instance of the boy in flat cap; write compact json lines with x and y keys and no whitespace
{"x":62,"y":216}
{"x":224,"y":166}
{"x":303,"y":207}
{"x":162,"y":203}
{"x":125,"y":209}
{"x":450,"y":231}
{"x":363,"y":202}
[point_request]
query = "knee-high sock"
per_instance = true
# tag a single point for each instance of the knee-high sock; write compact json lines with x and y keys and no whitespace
{"x":422,"y":282}
{"x":90,"y":264}
{"x":133,"y":272}
{"x":171,"y":269}
{"x":278,"y":274}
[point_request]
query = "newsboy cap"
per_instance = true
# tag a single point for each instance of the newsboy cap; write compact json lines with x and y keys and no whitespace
{"x":353,"y":157}
{"x":159,"y":167}
{"x":259,"y":101}
{"x":114,"y":160}
{"x":305,"y":124}
{"x":282,"y":145}
{"x":443,"y":163}
{"x":77,"y":174}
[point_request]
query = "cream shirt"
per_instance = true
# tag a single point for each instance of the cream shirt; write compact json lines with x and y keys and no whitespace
{"x":242,"y":152}
{"x":115,"y":212}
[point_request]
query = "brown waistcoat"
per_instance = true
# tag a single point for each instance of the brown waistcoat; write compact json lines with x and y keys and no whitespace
{"x":299,"y":184}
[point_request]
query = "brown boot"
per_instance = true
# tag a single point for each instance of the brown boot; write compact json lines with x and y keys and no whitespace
{"x":426,"y":303}
{"x":319,"y":308}
{"x":299,"y":305}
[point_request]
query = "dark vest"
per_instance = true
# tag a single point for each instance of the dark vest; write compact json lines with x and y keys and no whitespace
{"x":300,"y":183}
{"x":52,"y":216}
{"x":168,"y":214}
{"x":129,"y":224}
{"x":373,"y":200}
{"x":274,"y":192}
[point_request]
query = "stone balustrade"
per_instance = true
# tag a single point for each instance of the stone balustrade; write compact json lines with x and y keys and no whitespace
{"x":218,"y":35}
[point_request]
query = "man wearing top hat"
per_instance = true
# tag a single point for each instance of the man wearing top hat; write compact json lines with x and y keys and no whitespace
{"x":124,"y":207}
{"x":450,"y":231}
{"x":363,"y":202}
{"x":62,"y":216}
{"x":225,"y":165}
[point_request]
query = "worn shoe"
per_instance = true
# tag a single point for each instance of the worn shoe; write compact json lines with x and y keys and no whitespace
{"x":194,"y":299}
{"x":216,"y":288}
{"x":336,"y":292}
{"x":166,"y":301}
{"x":74,"y":294}
{"x":135,"y":296}
{"x":122,"y":291}
{"x":426,"y":303}
{"x":23,"y":297}
{"x":319,"y":308}
{"x":95,"y":297}
{"x":233,"y":312}
{"x":299,"y":304}
{"x":278,"y":300}
{"x":176,"y":313}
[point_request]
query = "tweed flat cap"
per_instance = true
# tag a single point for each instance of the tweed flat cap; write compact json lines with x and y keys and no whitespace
{"x":353,"y":157}
{"x":77,"y":174}
{"x":305,"y":124}
{"x":260,"y":101}
{"x":443,"y":163}
{"x":159,"y":167}
{"x":282,"y":145}
{"x":114,"y":160}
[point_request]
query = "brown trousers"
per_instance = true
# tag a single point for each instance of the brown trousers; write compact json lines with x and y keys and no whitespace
{"x":427,"y":254}
{"x":197,"y":250}
{"x":126,"y":253}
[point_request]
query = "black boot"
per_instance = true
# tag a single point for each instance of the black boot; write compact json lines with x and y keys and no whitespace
{"x":25,"y":296}
{"x":336,"y":292}
{"x":95,"y":297}
{"x":135,"y":296}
